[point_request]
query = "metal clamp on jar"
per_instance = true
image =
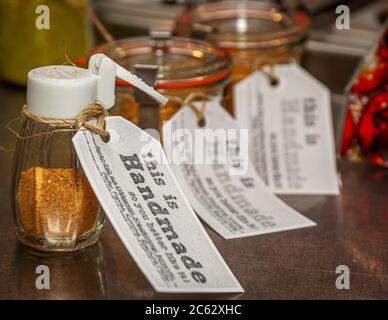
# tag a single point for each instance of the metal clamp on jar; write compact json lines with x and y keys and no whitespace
{"x":176,"y":67}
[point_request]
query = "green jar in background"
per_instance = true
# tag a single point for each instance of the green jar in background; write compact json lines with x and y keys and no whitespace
{"x":23,"y":46}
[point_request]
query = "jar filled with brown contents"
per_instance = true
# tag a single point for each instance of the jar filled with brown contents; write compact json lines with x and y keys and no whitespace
{"x":55,"y":207}
{"x":254,"y":33}
{"x":176,"y":67}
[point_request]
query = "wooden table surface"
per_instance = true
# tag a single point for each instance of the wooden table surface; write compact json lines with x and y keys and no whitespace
{"x":352,"y":230}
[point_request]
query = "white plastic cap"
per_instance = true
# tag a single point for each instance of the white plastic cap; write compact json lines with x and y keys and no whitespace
{"x":62,"y":92}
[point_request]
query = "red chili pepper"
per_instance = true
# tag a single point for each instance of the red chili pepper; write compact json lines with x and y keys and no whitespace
{"x":376,"y":160}
{"x":373,"y":128}
{"x":383,"y":53}
{"x":371,"y":79}
{"x":348,"y":133}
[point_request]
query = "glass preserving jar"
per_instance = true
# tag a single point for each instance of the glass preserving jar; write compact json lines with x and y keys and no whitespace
{"x":254,"y":33}
{"x":183,"y":66}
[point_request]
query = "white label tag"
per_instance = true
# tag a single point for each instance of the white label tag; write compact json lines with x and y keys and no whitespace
{"x":142,"y":199}
{"x":212,"y":167}
{"x":290,"y":129}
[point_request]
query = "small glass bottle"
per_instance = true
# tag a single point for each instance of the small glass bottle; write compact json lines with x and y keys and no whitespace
{"x":55,"y":207}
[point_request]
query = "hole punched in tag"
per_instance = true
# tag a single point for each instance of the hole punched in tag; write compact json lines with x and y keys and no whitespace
{"x":274,"y":82}
{"x":266,"y":68}
{"x":202,"y":122}
{"x":268,"y":71}
{"x":198,"y":108}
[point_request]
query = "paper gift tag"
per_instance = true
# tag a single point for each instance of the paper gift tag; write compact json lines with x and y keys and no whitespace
{"x":290,"y":128}
{"x":142,"y":199}
{"x":212,"y":166}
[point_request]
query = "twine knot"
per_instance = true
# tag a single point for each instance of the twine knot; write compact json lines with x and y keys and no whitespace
{"x":97,"y":111}
{"x":93,"y":111}
{"x":190,"y":100}
{"x":265,"y":66}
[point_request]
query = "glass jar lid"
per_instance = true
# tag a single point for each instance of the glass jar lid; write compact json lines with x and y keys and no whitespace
{"x":181,"y":62}
{"x":249,"y":24}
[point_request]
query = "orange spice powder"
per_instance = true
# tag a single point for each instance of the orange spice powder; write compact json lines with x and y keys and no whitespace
{"x":56,"y":203}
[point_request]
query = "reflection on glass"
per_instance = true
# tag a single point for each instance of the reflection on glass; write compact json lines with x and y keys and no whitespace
{"x":80,"y":275}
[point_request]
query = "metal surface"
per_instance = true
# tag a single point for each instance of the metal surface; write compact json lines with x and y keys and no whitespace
{"x":352,"y":230}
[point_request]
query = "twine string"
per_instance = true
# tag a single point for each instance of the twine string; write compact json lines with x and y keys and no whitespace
{"x":97,"y":111}
{"x":198,"y":109}
{"x":93,"y":111}
{"x":89,"y":13}
{"x":265,"y":66}
{"x":270,"y":74}
{"x":68,"y":61}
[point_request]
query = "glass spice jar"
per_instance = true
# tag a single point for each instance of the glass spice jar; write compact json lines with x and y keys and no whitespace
{"x":183,"y":66}
{"x":55,"y":207}
{"x":255,"y":33}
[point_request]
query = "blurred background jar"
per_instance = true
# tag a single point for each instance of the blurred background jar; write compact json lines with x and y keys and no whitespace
{"x":23,"y":46}
{"x":183,"y":66}
{"x":255,"y":33}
